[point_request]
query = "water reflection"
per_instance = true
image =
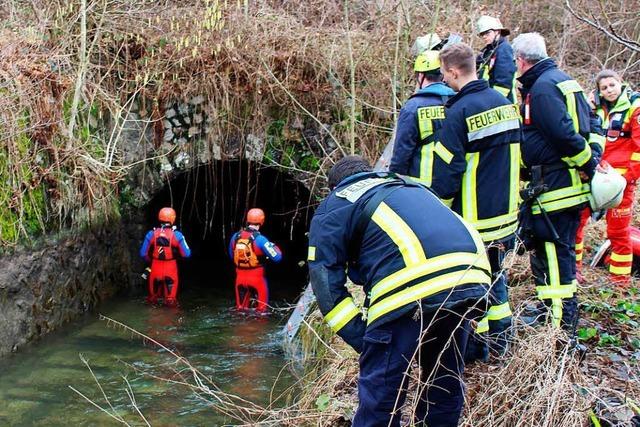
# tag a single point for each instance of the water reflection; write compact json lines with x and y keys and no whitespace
{"x":249,"y":332}
{"x":241,"y":354}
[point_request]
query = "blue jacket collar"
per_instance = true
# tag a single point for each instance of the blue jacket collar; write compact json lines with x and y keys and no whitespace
{"x":438,"y":88}
{"x":533,"y":73}
{"x":471,"y":87}
{"x":495,"y":44}
{"x":357,"y":177}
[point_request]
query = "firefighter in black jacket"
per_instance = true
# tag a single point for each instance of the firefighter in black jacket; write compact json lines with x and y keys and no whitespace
{"x":560,"y":151}
{"x":480,"y":177}
{"x":422,"y":269}
{"x":417,"y":140}
{"x":495,"y":62}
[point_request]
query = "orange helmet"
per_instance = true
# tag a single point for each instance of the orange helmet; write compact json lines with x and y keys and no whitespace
{"x":167,"y":215}
{"x":255,"y":216}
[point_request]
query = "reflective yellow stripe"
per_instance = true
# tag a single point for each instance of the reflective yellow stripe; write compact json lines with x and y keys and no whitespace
{"x":576,"y":181}
{"x":426,"y":115}
{"x":490,"y":236}
{"x":426,"y":164}
{"x":568,"y":89}
{"x":483,"y":326}
{"x":579,"y":159}
{"x":621,"y":257}
{"x":485,"y":72}
{"x":621,"y":171}
{"x":552,"y":260}
{"x":311,"y":255}
{"x":341,"y":314}
{"x":443,"y":152}
{"x":425,"y":289}
{"x":496,"y":221}
{"x":594,"y":138}
{"x":398,"y":230}
{"x":503,"y":90}
{"x":563,"y":198}
{"x":573,"y":111}
{"x":492,"y":122}
{"x":514,"y":178}
{"x":561,"y":204}
{"x":447,"y":202}
{"x":554,"y":284}
{"x":569,"y":86}
{"x":635,"y":157}
{"x":430,"y":266}
{"x":614,"y":269}
{"x":579,"y":248}
{"x":561,"y":193}
{"x":499,"y":312}
{"x":550,"y":292}
{"x":469,"y":200}
{"x":514,"y":89}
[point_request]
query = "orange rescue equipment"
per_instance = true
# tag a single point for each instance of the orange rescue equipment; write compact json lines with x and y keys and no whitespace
{"x":244,"y":255}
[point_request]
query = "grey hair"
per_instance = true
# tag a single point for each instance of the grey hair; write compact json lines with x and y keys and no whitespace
{"x":530,"y":47}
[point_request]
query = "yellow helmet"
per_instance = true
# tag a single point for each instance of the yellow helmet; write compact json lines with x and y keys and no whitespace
{"x":427,"y":61}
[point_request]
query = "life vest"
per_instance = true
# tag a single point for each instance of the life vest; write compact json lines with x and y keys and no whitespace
{"x":163,"y":242}
{"x":244,"y":254}
{"x":617,"y":119}
{"x":621,"y":151}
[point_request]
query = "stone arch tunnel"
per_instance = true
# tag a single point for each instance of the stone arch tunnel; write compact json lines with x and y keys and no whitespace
{"x":211,"y":201}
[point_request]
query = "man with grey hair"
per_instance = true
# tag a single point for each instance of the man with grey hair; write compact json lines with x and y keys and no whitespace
{"x":530,"y":46}
{"x":560,"y":151}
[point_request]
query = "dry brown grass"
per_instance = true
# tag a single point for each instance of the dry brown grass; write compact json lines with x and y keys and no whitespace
{"x":541,"y":381}
{"x":343,"y":71}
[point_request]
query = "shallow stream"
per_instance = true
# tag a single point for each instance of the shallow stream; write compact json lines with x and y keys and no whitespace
{"x":242,"y":354}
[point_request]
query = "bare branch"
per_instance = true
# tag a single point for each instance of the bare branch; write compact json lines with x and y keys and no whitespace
{"x":610,"y":32}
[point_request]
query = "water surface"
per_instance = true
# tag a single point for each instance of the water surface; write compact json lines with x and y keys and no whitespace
{"x":242,"y":354}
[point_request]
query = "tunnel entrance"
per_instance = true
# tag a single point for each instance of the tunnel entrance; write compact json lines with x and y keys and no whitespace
{"x":211,"y":202}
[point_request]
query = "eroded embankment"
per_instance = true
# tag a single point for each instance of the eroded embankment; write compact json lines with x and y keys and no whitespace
{"x":44,"y":286}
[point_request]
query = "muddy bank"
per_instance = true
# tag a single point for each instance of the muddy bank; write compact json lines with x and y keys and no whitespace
{"x":43,"y":287}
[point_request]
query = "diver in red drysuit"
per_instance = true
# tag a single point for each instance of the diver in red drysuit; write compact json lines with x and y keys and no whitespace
{"x":248,"y":249}
{"x":162,"y":246}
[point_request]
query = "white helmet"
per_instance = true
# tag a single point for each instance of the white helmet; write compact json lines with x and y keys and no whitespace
{"x":426,"y":42}
{"x":486,"y":23}
{"x":607,"y":188}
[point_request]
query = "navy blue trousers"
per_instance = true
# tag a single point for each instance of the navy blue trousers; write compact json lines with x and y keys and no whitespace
{"x":497,"y":336}
{"x":387,"y":352}
{"x":553,"y":263}
{"x":499,"y":294}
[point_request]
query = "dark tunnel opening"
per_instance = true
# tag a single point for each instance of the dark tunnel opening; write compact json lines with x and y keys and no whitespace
{"x":211,"y":202}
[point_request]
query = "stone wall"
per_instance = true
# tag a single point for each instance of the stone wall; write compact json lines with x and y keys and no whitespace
{"x":184,"y":139}
{"x":43,"y":287}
